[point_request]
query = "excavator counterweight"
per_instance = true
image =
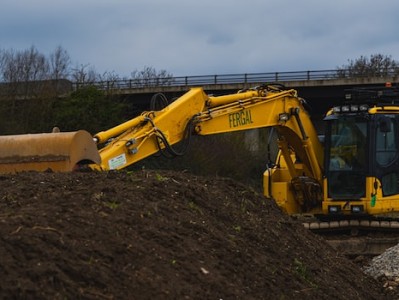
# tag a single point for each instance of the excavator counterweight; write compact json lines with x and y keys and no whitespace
{"x":60,"y":151}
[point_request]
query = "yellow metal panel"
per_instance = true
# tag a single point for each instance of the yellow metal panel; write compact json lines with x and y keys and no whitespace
{"x":60,"y":151}
{"x":284,"y":198}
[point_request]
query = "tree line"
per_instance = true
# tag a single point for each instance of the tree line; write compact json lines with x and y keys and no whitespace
{"x":36,"y":92}
{"x":32,"y":65}
{"x":377,"y":65}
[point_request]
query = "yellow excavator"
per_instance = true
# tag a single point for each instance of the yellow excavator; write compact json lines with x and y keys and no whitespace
{"x":347,"y":178}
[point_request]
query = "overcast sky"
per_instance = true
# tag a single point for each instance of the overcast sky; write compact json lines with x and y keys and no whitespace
{"x":202,"y":37}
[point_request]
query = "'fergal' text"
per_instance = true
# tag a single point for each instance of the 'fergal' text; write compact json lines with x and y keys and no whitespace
{"x":240,"y":118}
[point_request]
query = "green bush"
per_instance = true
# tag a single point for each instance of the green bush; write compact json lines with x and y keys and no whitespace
{"x":87,"y":108}
{"x":25,"y":116}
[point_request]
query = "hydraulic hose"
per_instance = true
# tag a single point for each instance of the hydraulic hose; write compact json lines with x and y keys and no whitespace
{"x":270,"y":163}
{"x":170,"y":151}
{"x":158,"y":98}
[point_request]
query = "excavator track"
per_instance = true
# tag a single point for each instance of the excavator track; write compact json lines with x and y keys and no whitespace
{"x":366,"y":246}
{"x":353,"y":238}
{"x":352,"y":225}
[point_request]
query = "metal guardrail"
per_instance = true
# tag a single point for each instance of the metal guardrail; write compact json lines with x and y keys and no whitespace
{"x":229,"y":79}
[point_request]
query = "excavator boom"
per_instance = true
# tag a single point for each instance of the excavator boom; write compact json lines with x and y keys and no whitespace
{"x":200,"y":114}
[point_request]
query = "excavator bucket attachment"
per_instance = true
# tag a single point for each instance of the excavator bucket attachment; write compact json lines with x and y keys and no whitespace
{"x":58,"y":152}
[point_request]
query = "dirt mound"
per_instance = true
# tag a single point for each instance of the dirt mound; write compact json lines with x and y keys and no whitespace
{"x":160,"y":235}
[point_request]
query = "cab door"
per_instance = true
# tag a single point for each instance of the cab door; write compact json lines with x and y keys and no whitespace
{"x":386,"y":162}
{"x":346,"y":163}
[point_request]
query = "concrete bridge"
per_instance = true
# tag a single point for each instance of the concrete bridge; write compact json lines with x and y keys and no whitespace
{"x":322,"y":89}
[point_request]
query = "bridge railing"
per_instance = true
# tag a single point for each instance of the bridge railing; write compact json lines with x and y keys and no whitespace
{"x":224,"y":79}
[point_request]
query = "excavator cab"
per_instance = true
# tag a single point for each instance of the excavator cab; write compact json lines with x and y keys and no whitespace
{"x":361,"y":155}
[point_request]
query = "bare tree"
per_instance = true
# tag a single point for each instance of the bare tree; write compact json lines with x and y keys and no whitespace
{"x":377,"y":65}
{"x":9,"y":67}
{"x":109,"y":80}
{"x":23,"y":66}
{"x":151,"y":77}
{"x":2,"y":63}
{"x":84,"y":74}
{"x":32,"y":65}
{"x":22,"y":70}
{"x":60,"y":64}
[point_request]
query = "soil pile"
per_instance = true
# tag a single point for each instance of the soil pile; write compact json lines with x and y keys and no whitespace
{"x":160,"y":235}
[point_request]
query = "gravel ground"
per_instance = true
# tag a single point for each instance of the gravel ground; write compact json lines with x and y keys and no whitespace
{"x":385,"y":268}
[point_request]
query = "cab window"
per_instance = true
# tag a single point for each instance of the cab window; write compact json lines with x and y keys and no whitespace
{"x":386,"y":150}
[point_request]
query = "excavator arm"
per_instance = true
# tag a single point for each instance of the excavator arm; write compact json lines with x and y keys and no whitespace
{"x":197,"y":113}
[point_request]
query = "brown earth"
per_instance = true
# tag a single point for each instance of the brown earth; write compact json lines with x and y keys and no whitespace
{"x":161,"y":235}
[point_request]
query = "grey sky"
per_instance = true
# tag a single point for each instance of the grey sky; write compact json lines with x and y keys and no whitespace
{"x":204,"y":37}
